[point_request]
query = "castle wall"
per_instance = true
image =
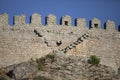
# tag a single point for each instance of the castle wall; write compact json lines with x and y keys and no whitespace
{"x":27,"y":43}
{"x":95,"y":23}
{"x":65,"y":21}
{"x":51,"y":20}
{"x":80,"y":22}
{"x":109,"y":25}
{"x":35,"y":20}
{"x":19,"y":20}
{"x":4,"y":19}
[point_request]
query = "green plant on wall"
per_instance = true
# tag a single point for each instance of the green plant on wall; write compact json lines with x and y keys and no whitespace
{"x":94,"y":60}
{"x":41,"y":61}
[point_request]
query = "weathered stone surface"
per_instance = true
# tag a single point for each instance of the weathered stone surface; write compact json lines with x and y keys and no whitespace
{"x":95,"y":23}
{"x":23,"y":41}
{"x":19,"y":20}
{"x":4,"y":20}
{"x":22,"y":70}
{"x":35,"y":20}
{"x":63,"y":67}
{"x":51,"y":20}
{"x":109,"y":25}
{"x":80,"y":22}
{"x":66,"y":20}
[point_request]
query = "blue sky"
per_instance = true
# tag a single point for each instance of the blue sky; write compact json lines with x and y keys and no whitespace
{"x":101,"y":9}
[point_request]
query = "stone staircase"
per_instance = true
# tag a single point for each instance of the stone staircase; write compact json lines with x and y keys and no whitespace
{"x":74,"y":44}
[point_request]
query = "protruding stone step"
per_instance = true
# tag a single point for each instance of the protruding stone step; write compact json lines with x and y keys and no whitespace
{"x":83,"y":36}
{"x":86,"y":35}
{"x":74,"y":44}
{"x":67,"y":48}
{"x":70,"y":47}
{"x":79,"y":41}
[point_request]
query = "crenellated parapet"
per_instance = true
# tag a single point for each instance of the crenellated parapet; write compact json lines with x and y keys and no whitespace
{"x":3,"y":20}
{"x":95,"y":23}
{"x":19,"y":20}
{"x":109,"y":25}
{"x":65,"y":20}
{"x":50,"y":21}
{"x":80,"y":22}
{"x":35,"y":20}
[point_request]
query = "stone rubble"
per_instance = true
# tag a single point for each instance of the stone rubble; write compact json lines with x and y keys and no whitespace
{"x":63,"y":67}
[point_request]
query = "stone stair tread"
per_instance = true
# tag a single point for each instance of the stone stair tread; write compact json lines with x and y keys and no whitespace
{"x":74,"y":44}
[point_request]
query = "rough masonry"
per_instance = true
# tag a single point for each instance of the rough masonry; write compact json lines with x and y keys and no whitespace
{"x":21,"y":41}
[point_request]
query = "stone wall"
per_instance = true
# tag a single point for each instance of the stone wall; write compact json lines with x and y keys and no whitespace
{"x":80,"y":22}
{"x":66,"y":20}
{"x":109,"y":25}
{"x":21,"y":44}
{"x":3,"y":19}
{"x":50,"y":20}
{"x":19,"y":20}
{"x":95,"y":23}
{"x":35,"y":20}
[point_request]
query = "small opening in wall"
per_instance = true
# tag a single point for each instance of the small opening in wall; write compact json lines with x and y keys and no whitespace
{"x":96,"y":25}
{"x":66,"y":23}
{"x":119,"y":28}
{"x":59,"y":43}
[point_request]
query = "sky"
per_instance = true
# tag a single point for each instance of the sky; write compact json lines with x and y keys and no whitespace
{"x":102,"y":9}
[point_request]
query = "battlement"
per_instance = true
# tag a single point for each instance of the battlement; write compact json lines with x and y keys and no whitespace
{"x":4,"y":19}
{"x":50,"y":21}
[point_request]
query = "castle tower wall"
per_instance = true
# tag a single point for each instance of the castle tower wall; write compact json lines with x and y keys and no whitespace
{"x":19,"y":20}
{"x":95,"y":23}
{"x":51,"y":20}
{"x":109,"y":25}
{"x":65,"y":21}
{"x":80,"y":22}
{"x":35,"y":20}
{"x":4,"y":19}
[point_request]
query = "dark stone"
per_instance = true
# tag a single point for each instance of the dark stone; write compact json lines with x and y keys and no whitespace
{"x":58,"y":43}
{"x":119,"y":70}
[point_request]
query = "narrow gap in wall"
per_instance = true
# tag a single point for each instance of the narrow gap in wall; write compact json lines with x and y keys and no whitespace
{"x":119,"y":28}
{"x":10,"y":20}
{"x":27,"y":19}
{"x":104,"y":26}
{"x":89,"y":24}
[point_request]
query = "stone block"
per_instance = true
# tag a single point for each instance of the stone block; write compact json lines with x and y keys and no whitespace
{"x":80,"y":22}
{"x":95,"y":23}
{"x":109,"y":25}
{"x":19,"y":20}
{"x":65,"y":21}
{"x":4,"y":19}
{"x":51,"y":20}
{"x":36,"y":19}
